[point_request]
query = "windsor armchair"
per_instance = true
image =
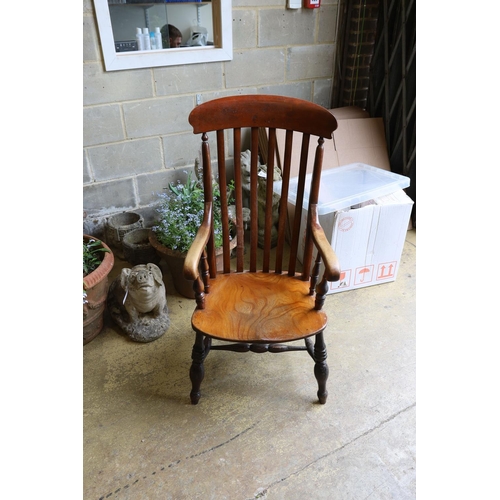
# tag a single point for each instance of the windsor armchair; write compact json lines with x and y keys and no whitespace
{"x":263,"y":299}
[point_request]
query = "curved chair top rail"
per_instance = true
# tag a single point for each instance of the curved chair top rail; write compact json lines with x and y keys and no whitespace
{"x":288,"y":113}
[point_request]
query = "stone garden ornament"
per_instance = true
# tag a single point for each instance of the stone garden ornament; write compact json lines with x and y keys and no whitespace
{"x":261,"y":194}
{"x":137,"y":302}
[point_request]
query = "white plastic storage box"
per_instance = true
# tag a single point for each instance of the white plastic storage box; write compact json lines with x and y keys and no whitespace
{"x":365,"y":214}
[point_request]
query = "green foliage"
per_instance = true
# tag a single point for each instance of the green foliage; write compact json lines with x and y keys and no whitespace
{"x":180,"y":215}
{"x":92,"y":255}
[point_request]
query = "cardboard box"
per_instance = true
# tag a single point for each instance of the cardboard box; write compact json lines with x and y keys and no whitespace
{"x":367,"y":240}
{"x":349,"y":112}
{"x":357,"y":139}
{"x":364,"y":213}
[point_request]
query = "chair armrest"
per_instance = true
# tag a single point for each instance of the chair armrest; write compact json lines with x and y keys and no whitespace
{"x":330,"y":259}
{"x":192,"y":260}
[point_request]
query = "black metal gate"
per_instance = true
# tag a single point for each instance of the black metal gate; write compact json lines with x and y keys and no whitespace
{"x":392,"y":88}
{"x":376,"y":70}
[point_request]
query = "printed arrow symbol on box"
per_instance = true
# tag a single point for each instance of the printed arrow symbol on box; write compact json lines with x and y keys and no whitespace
{"x":383,"y":275}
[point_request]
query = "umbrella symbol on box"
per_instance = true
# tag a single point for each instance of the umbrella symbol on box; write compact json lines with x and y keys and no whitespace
{"x":363,"y":273}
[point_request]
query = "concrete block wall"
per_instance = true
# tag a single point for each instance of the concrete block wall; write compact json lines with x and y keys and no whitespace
{"x":136,"y":135}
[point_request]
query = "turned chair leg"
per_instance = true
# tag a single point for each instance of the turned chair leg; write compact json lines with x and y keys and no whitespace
{"x":197,"y":370}
{"x":321,"y":368}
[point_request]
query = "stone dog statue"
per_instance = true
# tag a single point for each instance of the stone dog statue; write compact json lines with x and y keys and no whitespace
{"x":137,"y":302}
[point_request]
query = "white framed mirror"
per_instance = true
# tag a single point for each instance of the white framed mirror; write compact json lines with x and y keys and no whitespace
{"x":205,"y":27}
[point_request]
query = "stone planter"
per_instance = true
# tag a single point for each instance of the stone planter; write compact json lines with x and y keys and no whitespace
{"x":175,"y":262}
{"x":96,"y":287}
{"x":117,"y":226}
{"x":137,"y":249}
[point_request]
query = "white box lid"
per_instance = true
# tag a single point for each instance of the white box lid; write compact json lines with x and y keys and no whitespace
{"x":345,"y":186}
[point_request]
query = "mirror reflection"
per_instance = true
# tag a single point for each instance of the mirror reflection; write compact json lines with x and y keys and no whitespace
{"x":143,"y":26}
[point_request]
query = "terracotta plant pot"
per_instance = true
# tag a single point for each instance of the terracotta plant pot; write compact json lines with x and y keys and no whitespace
{"x":96,"y":286}
{"x":175,"y":262}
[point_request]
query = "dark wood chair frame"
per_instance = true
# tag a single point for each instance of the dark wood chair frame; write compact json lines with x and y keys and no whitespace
{"x":258,"y":113}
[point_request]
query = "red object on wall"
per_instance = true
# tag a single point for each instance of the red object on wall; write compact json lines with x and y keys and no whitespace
{"x":312,"y":4}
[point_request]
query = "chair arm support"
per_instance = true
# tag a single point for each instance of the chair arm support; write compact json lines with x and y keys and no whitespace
{"x":330,"y":259}
{"x":192,"y":260}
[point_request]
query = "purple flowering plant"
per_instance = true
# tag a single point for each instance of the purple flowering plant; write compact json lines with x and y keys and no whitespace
{"x":180,"y":214}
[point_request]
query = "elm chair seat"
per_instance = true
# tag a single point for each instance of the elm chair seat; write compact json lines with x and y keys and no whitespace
{"x":259,"y":307}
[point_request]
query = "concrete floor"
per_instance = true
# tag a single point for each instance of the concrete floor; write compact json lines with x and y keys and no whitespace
{"x":258,"y":431}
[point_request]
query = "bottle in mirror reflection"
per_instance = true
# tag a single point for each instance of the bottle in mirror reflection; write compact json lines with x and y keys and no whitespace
{"x":139,"y":39}
{"x":146,"y":39}
{"x":158,"y":40}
